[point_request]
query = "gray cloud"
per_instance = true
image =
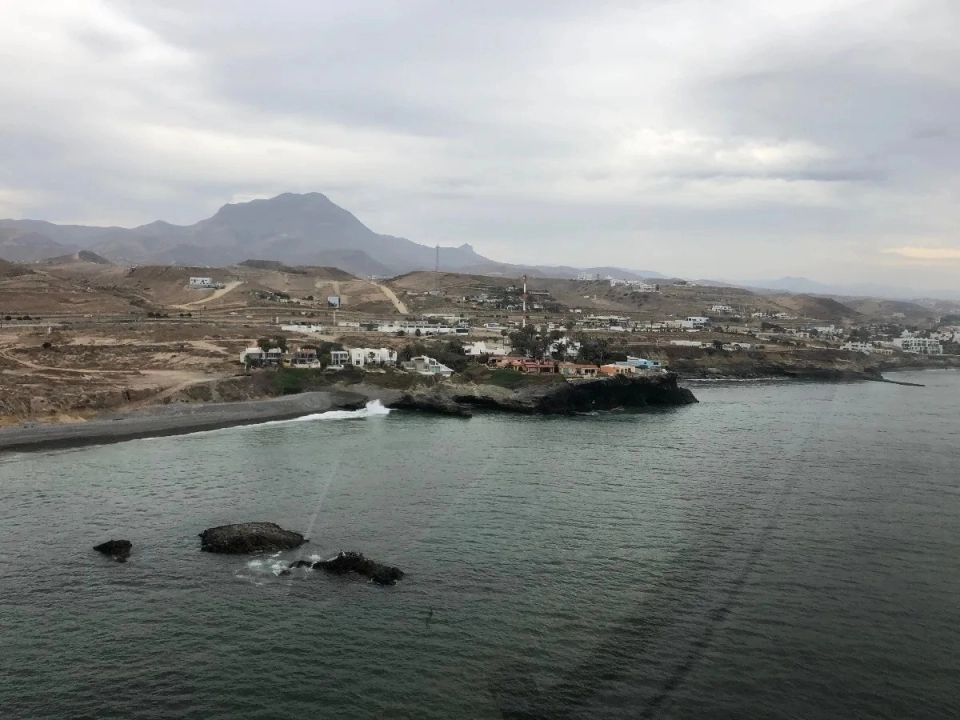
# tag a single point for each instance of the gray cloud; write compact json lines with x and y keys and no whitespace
{"x":727,"y":139}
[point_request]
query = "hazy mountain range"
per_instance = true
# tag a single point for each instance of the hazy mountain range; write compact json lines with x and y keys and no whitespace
{"x":294,"y":229}
{"x":802,"y":285}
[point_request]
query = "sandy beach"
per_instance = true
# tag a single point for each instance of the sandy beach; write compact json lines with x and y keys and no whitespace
{"x":172,"y":419}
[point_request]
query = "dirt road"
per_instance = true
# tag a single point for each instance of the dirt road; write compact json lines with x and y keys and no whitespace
{"x":216,"y":295}
{"x":392,"y":297}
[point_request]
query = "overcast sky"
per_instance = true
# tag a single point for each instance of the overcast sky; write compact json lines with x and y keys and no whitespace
{"x":733,"y":139}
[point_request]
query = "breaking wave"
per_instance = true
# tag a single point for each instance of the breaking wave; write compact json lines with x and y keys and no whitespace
{"x":374,"y":408}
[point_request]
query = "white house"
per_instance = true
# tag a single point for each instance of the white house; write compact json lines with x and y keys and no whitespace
{"x":920,"y":346}
{"x":361,"y":357}
{"x":721,"y":309}
{"x":309,"y":329}
{"x":687,"y":343}
{"x":253,"y":356}
{"x":339,"y":358}
{"x":586,"y":277}
{"x":643,"y":363}
{"x":427,"y":366}
{"x":571,"y":347}
{"x":857,"y":346}
{"x":201,"y":282}
{"x":481,"y":348}
{"x":696,"y":321}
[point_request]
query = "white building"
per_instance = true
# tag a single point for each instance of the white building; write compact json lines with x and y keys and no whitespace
{"x":339,"y":358}
{"x":481,"y":348}
{"x":857,"y":346}
{"x":638,"y":285}
{"x":644,"y":363}
{"x":722,"y":309}
{"x":361,"y":357}
{"x":253,"y":356}
{"x":687,"y":343}
{"x":696,"y":322}
{"x":308,"y":329}
{"x":427,"y":366}
{"x":201,"y":282}
{"x":587,"y":277}
{"x":410,"y":327}
{"x":571,"y":347}
{"x":920,"y":346}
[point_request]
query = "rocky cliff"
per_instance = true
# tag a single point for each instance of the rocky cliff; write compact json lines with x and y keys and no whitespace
{"x":542,"y":395}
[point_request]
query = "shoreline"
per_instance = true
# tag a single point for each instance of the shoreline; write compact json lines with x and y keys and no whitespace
{"x":169,"y":420}
{"x":185,"y":418}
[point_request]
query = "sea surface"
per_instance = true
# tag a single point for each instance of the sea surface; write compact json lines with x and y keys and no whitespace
{"x":777,"y":551}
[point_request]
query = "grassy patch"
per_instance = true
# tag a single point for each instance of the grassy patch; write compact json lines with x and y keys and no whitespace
{"x":514,"y":380}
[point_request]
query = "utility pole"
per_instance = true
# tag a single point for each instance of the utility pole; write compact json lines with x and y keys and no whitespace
{"x":436,"y":271}
{"x":524,"y":301}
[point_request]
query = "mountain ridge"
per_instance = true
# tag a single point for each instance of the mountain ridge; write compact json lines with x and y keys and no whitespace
{"x":297,"y":229}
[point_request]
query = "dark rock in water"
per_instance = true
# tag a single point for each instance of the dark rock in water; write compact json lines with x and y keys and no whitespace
{"x":119,"y":550}
{"x":347,"y":562}
{"x":249,"y":538}
{"x":300,"y":564}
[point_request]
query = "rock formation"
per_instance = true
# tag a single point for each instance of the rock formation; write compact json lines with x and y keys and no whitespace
{"x":249,"y":538}
{"x":656,"y":389}
{"x":119,"y":550}
{"x":347,"y":562}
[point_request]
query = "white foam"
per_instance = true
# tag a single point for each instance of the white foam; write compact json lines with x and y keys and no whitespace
{"x":271,"y":566}
{"x":374,"y":408}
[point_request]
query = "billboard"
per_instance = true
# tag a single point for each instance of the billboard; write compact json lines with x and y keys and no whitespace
{"x":333,"y":301}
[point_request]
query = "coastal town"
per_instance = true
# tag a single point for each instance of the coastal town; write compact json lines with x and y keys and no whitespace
{"x":82,"y":335}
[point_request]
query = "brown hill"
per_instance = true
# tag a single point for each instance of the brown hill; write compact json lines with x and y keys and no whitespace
{"x":83,"y":256}
{"x":9,"y":269}
{"x":818,"y":308}
{"x":20,"y":245}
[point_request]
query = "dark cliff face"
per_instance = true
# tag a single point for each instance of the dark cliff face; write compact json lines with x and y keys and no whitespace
{"x":559,"y":398}
{"x":622,"y":391}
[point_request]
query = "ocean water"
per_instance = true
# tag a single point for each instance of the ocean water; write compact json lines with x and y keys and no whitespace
{"x":777,"y":551}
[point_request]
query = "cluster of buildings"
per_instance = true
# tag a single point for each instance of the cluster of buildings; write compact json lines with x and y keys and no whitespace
{"x":631,"y":366}
{"x":638,"y":285}
{"x":204,"y":283}
{"x":308,"y":357}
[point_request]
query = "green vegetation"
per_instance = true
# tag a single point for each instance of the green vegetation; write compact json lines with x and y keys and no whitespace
{"x":290,"y":381}
{"x":274,"y":341}
{"x":449,"y":352}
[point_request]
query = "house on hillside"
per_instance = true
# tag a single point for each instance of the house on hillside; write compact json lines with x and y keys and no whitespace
{"x":618,"y":368}
{"x":524,"y":365}
{"x":919,"y":346}
{"x":303,"y":357}
{"x":481,"y":348}
{"x":361,"y":357}
{"x":253,"y":357}
{"x":425,"y":365}
{"x":644,"y":364}
{"x":578,"y":370}
{"x":339,"y":358}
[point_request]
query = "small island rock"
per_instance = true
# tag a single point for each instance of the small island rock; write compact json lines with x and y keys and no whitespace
{"x":119,"y":550}
{"x":347,"y":562}
{"x":249,"y":538}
